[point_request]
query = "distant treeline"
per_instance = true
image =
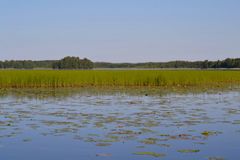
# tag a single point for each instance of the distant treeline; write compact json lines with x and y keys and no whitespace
{"x":77,"y":63}
{"x":26,"y":64}
{"x":227,"y":63}
{"x":65,"y":63}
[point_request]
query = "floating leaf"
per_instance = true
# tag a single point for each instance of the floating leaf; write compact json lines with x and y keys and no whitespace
{"x":103,"y":144}
{"x":149,"y":141}
{"x":210,"y":133}
{"x":154,"y":154}
{"x":236,"y":122}
{"x":27,"y":140}
{"x":215,"y":158}
{"x":189,"y":150}
{"x":103,"y":155}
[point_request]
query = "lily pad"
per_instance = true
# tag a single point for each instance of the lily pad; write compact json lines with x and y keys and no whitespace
{"x":189,"y":150}
{"x":210,"y":133}
{"x":153,"y":154}
{"x":103,"y":144}
{"x":215,"y":158}
{"x":149,"y":141}
{"x":103,"y":155}
{"x":27,"y":140}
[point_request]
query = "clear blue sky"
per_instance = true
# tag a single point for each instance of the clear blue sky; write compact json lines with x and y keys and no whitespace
{"x":120,"y":30}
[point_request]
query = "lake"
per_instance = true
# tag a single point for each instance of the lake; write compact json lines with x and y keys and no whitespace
{"x":120,"y":125}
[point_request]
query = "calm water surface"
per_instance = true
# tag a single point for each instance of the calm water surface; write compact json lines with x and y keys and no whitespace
{"x":121,"y":126}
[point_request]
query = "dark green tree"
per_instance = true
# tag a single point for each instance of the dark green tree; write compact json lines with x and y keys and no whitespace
{"x":205,"y":64}
{"x":73,"y":63}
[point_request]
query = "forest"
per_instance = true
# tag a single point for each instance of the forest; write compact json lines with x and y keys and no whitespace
{"x":77,"y":63}
{"x":65,"y":63}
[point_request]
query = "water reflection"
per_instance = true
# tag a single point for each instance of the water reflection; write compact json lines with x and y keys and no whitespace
{"x":85,"y":125}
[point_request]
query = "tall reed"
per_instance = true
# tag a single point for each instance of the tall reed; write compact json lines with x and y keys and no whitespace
{"x":117,"y":78}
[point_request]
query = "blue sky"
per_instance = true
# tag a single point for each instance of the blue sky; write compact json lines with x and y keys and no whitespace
{"x":120,"y":30}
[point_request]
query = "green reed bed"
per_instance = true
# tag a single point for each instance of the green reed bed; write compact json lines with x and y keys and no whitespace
{"x":119,"y":78}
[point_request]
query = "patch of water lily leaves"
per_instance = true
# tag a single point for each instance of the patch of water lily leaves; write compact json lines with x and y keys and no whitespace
{"x":27,"y":139}
{"x":189,"y":150}
{"x":153,"y":154}
{"x":216,"y":158}
{"x":236,"y":122}
{"x":149,"y":141}
{"x":211,"y":133}
{"x":103,"y":155}
{"x":103,"y":126}
{"x":103,"y":144}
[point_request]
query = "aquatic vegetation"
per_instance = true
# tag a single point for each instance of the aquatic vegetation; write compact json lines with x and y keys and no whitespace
{"x":215,"y":158}
{"x":149,"y":141}
{"x":126,"y":132}
{"x":189,"y":150}
{"x":27,"y":140}
{"x":150,"y":123}
{"x":236,"y":122}
{"x":99,"y":124}
{"x":53,"y":123}
{"x":93,"y":135}
{"x":201,"y":143}
{"x":103,"y":144}
{"x":164,"y":145}
{"x":210,"y":133}
{"x":103,"y":155}
{"x":154,"y":154}
{"x":164,"y":135}
{"x":146,"y":130}
{"x":154,"y":126}
{"x":65,"y":130}
{"x":121,"y":78}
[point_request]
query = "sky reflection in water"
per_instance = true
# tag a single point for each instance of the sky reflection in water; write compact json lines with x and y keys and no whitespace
{"x":121,"y":126}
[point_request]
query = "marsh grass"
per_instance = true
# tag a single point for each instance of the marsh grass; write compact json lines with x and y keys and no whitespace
{"x":118,"y":78}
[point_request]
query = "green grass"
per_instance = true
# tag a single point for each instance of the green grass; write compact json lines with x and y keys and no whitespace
{"x":119,"y":78}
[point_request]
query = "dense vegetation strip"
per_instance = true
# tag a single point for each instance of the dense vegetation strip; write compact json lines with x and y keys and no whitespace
{"x":119,"y":78}
{"x":65,"y":63}
{"x":227,"y":63}
{"x":77,"y":63}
